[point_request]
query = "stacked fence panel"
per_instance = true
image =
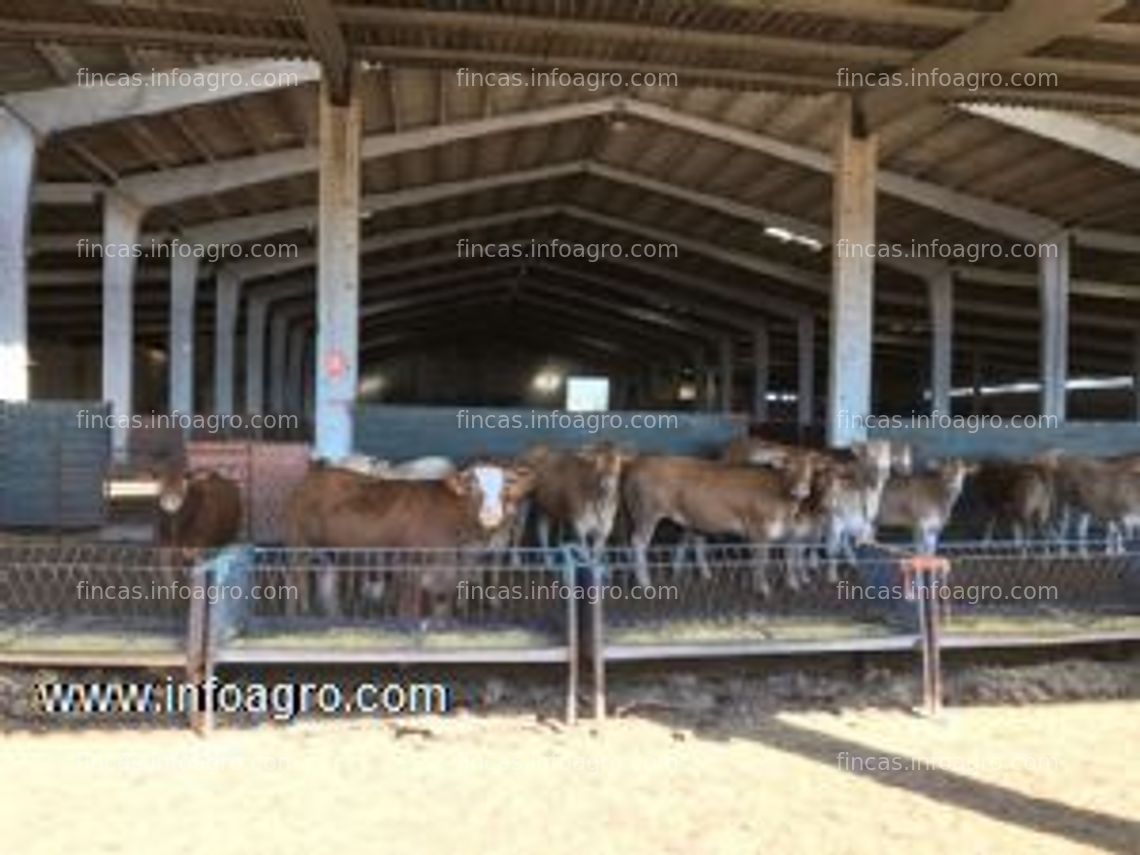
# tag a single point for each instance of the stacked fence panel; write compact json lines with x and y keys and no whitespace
{"x":54,"y":457}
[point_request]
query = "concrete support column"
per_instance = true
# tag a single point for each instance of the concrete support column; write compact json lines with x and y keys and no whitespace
{"x":308,"y":378}
{"x":295,"y":367}
{"x":1053,"y":278}
{"x":761,"y":369}
{"x":852,"y":284}
{"x":941,"y":291}
{"x":725,"y":375}
{"x":227,"y":295}
{"x":805,"y":369}
{"x":183,"y":294}
{"x":256,"y":316}
{"x":17,"y":173}
{"x":122,"y":219}
{"x":338,"y":273}
{"x":1136,"y":374}
{"x":975,"y":383}
{"x":278,"y":355}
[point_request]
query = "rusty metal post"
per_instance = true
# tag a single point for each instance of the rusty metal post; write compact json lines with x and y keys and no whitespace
{"x":198,"y":667}
{"x":924,"y":575}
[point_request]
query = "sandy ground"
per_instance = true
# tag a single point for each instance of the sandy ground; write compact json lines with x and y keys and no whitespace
{"x":1047,"y":778}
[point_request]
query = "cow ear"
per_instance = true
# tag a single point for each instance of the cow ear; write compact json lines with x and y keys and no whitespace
{"x":456,"y":482}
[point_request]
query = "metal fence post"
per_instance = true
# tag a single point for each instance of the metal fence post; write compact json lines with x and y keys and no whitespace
{"x":598,"y":641}
{"x":569,"y":573}
{"x":925,"y":574}
{"x":199,"y":659}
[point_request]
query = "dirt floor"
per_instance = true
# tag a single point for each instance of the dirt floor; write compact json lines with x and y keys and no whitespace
{"x":684,"y":765}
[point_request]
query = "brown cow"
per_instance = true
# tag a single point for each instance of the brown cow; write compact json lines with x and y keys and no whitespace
{"x":197,"y":509}
{"x":923,"y":503}
{"x":579,"y":489}
{"x":336,"y":508}
{"x":710,"y":497}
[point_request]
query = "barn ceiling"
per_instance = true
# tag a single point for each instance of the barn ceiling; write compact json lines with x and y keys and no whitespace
{"x":741,"y":143}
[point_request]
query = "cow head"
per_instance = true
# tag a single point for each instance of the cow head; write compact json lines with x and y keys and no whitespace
{"x":173,"y":485}
{"x":954,"y":473}
{"x":902,"y":459}
{"x":493,"y":489}
{"x":608,"y":461}
{"x":875,"y":457}
{"x":799,"y":474}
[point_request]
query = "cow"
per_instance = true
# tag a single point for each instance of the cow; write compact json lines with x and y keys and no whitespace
{"x":197,"y":509}
{"x":1100,"y":489}
{"x":924,"y":502}
{"x":711,"y":498}
{"x":578,"y":489}
{"x":432,"y":468}
{"x":847,"y":494}
{"x":336,"y":508}
{"x":1016,"y":495}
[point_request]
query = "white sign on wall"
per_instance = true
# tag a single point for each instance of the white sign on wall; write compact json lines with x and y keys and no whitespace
{"x":587,"y":394}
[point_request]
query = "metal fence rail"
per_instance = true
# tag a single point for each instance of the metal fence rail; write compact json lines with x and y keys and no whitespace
{"x":1049,"y":592}
{"x":98,"y":604}
{"x":745,"y":599}
{"x":394,"y":606}
{"x":94,"y":604}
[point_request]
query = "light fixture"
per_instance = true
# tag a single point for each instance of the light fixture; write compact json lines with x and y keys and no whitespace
{"x":547,"y":381}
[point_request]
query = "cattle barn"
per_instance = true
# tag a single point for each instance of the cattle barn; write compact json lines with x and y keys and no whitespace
{"x":254,"y":235}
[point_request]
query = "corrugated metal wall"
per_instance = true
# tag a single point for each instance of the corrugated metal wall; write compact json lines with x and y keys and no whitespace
{"x":54,"y":457}
{"x":400,"y":432}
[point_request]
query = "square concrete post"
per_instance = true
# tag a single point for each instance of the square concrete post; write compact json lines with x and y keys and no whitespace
{"x":338,"y":273}
{"x":295,"y":368}
{"x":183,"y":300}
{"x":122,"y":219}
{"x":805,"y":369}
{"x":941,"y":292}
{"x":852,"y":284}
{"x":726,"y":375}
{"x":17,"y":173}
{"x":257,"y":311}
{"x":1136,"y":375}
{"x":308,"y":379}
{"x":227,"y":294}
{"x":761,"y":369}
{"x":1053,"y":277}
{"x":278,"y":355}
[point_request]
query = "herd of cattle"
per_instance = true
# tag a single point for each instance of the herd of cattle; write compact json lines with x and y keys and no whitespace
{"x":810,"y":502}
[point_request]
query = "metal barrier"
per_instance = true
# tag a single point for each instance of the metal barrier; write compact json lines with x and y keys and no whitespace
{"x":104,"y":605}
{"x":1007,"y":595}
{"x":394,"y":606}
{"x":94,"y":604}
{"x":746,"y":600}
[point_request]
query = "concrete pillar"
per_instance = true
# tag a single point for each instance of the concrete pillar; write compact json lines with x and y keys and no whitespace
{"x":852,"y":284}
{"x":17,"y":173}
{"x":278,"y":355}
{"x":1053,"y":278}
{"x":122,"y":219}
{"x":308,"y":380}
{"x":761,"y":368}
{"x":227,"y":294}
{"x":805,"y":369}
{"x":256,"y":315}
{"x":975,"y":383}
{"x":295,"y":368}
{"x":941,"y":291}
{"x":725,"y":375}
{"x":338,"y":273}
{"x":183,"y":294}
{"x":1136,"y":375}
